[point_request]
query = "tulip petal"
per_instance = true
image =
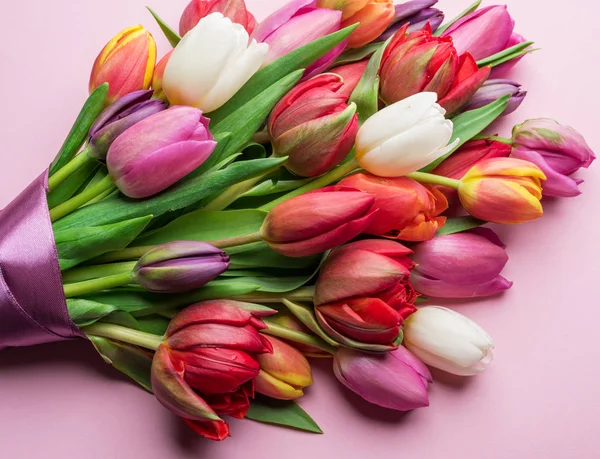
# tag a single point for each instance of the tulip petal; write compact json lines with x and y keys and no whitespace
{"x":220,"y":336}
{"x":279,"y":18}
{"x":436,"y":288}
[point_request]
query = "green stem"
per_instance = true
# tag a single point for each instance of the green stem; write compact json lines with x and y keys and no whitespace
{"x":296,"y":336}
{"x":423,"y":177}
{"x":96,"y":285}
{"x":303,"y":294}
{"x":495,"y":138}
{"x":224,"y":200}
{"x":96,"y":271}
{"x":125,"y":335}
{"x":64,"y":172}
{"x":82,"y":198}
{"x":327,"y":179}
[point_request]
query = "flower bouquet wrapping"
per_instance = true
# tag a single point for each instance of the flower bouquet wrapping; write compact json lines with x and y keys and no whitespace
{"x":308,"y":186}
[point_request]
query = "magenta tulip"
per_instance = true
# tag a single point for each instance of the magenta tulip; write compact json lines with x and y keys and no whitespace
{"x":159,"y":151}
{"x":462,"y":265}
{"x":395,"y":380}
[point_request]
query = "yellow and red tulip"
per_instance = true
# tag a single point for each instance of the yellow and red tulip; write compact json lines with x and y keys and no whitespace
{"x":503,"y":190}
{"x":126,"y":63}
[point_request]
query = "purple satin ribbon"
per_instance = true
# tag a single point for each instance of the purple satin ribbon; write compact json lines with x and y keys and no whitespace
{"x":33,"y":309}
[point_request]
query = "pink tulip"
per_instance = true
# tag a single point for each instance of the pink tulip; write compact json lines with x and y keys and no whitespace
{"x":395,"y":380}
{"x":159,"y":151}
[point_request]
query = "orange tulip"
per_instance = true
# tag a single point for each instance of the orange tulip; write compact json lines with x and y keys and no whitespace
{"x":372,"y":16}
{"x":159,"y":73}
{"x":503,"y":190}
{"x":126,"y":63}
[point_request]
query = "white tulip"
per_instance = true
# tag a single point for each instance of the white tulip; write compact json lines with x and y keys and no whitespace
{"x":404,"y":137}
{"x":449,"y":341}
{"x":211,"y":63}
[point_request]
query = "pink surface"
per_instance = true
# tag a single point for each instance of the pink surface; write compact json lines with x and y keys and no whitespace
{"x":540,"y":398}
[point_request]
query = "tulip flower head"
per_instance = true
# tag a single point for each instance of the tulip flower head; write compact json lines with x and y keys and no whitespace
{"x":159,"y":74}
{"x":372,"y":17}
{"x":493,"y":90}
{"x":211,"y":63}
{"x":559,"y":151}
{"x":318,"y":221}
{"x":416,"y":14}
{"x":351,"y":75}
{"x":363,"y":294}
{"x":296,"y":24}
{"x":404,"y":137}
{"x":503,"y":190}
{"x":449,"y":341}
{"x":420,"y":62}
{"x":396,"y":380}
{"x":314,"y":126}
{"x":180,"y":266}
{"x":462,"y":265}
{"x":206,"y":367}
{"x":408,"y":211}
{"x":233,"y":9}
{"x":284,"y":373}
{"x":126,"y":63}
{"x":159,"y":151}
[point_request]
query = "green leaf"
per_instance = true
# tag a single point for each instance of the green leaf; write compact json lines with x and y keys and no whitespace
{"x":260,"y":255}
{"x":130,"y":360}
{"x":506,"y":55}
{"x":281,"y":284}
{"x":467,"y":125}
{"x":181,"y":195}
{"x":171,"y":35}
{"x":76,"y":245}
{"x":472,"y":8}
{"x":269,"y":187}
{"x":157,"y":325}
{"x":86,"y":312}
{"x":204,"y":226}
{"x":80,"y":130}
{"x":71,"y":185}
{"x":263,"y":79}
{"x":459,"y":224}
{"x":306,"y":315}
{"x":255,"y":150}
{"x":282,"y":413}
{"x":358,"y":54}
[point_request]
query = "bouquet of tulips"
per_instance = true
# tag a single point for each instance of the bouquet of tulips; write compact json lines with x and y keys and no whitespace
{"x":303,"y":187}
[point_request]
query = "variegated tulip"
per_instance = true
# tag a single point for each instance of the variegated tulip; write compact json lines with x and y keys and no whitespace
{"x":126,"y":63}
{"x":503,"y":190}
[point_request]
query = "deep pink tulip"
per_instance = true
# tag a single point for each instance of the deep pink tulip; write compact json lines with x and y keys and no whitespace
{"x":395,"y":380}
{"x":159,"y":151}
{"x":462,"y":265}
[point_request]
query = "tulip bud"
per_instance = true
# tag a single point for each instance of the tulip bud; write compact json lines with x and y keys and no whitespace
{"x":289,"y":321}
{"x":420,"y":62}
{"x":159,"y":74}
{"x":207,"y":365}
{"x":416,"y":14}
{"x":318,"y":221}
{"x":351,"y":74}
{"x":493,"y":90}
{"x":211,"y":63}
{"x":314,"y":126}
{"x":297,"y":24}
{"x":408,"y":211}
{"x":372,"y":17}
{"x":503,"y":190}
{"x":363,"y":294}
{"x":404,"y":137}
{"x":180,"y":266}
{"x":482,"y":33}
{"x":118,"y":117}
{"x":449,"y":341}
{"x":159,"y":151}
{"x":559,"y":151}
{"x":233,"y":9}
{"x":126,"y":63}
{"x":396,"y":380}
{"x":462,"y":265}
{"x":284,"y":373}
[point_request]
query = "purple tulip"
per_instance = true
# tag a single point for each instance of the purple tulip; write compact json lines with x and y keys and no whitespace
{"x":180,"y":266}
{"x":495,"y":89}
{"x":118,"y":117}
{"x":558,"y":150}
{"x":297,"y":24}
{"x":395,"y":380}
{"x":462,"y":265}
{"x":417,"y":13}
{"x":159,"y":151}
{"x":483,"y":33}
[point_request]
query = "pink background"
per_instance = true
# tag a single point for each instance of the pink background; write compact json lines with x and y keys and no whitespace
{"x":540,"y":398}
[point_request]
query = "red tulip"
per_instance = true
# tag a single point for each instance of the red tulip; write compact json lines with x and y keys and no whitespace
{"x":233,"y":9}
{"x":351,"y":74}
{"x":408,"y":211}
